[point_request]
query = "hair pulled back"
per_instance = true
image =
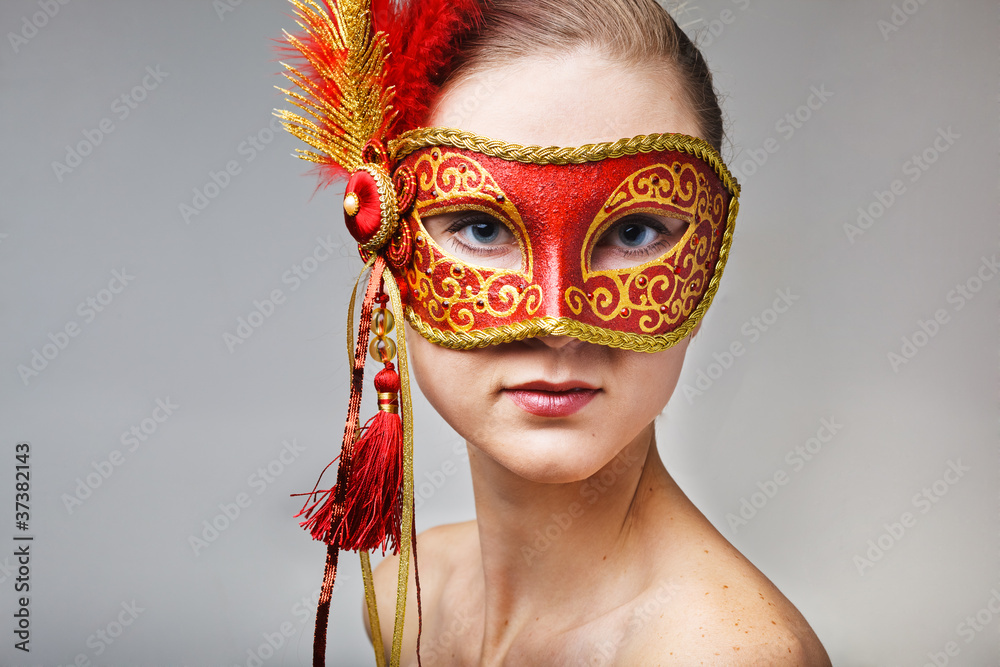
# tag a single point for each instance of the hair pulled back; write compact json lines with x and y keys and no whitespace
{"x":638,"y":33}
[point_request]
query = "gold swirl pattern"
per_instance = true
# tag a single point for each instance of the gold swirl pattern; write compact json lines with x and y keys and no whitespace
{"x":552,"y":326}
{"x":451,"y":292}
{"x":648,"y":307}
{"x":664,"y":291}
{"x":413,"y":140}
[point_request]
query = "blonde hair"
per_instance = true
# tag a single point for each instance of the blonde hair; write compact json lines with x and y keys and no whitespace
{"x":638,"y":33}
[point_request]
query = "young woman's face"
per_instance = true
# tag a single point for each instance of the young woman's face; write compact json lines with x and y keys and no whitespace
{"x":552,"y":409}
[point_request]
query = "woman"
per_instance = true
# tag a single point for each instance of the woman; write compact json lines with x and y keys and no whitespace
{"x":584,"y":550}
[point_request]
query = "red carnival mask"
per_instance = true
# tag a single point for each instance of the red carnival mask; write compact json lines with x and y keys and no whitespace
{"x":563,"y":246}
{"x":558,"y":206}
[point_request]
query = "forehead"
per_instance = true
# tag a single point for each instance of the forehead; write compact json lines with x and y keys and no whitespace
{"x":566,"y":101}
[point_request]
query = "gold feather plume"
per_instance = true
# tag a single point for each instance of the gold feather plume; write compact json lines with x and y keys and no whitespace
{"x":343,"y":85}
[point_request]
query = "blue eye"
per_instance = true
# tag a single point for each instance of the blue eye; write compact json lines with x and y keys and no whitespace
{"x":635,"y":235}
{"x":484,"y":232}
{"x":636,"y":239}
{"x":475,"y":237}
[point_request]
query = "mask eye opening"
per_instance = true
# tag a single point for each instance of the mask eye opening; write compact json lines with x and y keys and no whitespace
{"x":475,"y":235}
{"x":637,"y":237}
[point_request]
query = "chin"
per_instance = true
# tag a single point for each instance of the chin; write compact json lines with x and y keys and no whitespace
{"x":553,"y":455}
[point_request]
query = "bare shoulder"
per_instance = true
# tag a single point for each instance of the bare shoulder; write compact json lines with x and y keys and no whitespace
{"x":720,"y":609}
{"x":439,"y":550}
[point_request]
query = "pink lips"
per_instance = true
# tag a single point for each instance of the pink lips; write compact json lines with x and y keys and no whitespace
{"x":545,"y":399}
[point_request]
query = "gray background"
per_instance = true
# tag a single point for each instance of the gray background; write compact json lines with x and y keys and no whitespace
{"x":162,"y":337}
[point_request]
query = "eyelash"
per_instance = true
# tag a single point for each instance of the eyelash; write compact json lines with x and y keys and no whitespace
{"x":654,"y":249}
{"x":651,"y":250}
{"x":467,"y":221}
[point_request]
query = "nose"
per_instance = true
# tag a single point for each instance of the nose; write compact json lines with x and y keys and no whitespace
{"x":560,"y":342}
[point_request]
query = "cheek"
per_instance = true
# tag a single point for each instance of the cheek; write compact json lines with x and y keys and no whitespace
{"x":456,"y":383}
{"x":650,"y":379}
{"x":427,"y":369}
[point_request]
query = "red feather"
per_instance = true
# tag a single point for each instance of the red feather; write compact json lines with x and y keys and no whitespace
{"x":422,"y":38}
{"x":324,"y":88}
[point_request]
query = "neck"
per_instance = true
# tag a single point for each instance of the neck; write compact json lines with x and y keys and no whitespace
{"x":541,"y":542}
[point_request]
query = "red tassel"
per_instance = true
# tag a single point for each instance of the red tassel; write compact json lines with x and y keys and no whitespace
{"x":373,"y":504}
{"x":324,"y":518}
{"x":322,"y":515}
{"x":372,"y":511}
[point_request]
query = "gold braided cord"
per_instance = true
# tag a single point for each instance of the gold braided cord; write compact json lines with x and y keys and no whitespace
{"x":366,"y":576}
{"x":350,"y":312}
{"x":422,"y":137}
{"x":407,"y":518}
{"x":406,"y":531}
{"x":349,"y":103}
{"x":563,"y":326}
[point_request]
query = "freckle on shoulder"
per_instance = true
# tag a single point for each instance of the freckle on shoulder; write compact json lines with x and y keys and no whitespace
{"x":739,"y":612}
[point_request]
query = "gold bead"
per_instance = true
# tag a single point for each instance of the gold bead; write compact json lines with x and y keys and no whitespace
{"x":351,"y":204}
{"x":382,"y":349}
{"x":382,"y":322}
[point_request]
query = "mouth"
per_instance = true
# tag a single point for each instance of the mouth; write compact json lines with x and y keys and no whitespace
{"x":548,"y":399}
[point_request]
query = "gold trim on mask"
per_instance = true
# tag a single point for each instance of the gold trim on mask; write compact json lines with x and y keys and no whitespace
{"x":475,"y":189}
{"x":649,"y":186}
{"x":548,"y":326}
{"x":423,"y":137}
{"x":419,"y":138}
{"x":444,"y":177}
{"x":562,"y":326}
